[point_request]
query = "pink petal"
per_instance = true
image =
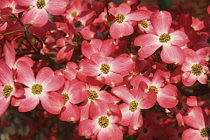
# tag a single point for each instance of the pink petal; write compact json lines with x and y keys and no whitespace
{"x":172,"y":54}
{"x":44,"y":74}
{"x":26,"y":2}
{"x":29,"y":102}
{"x":178,"y":38}
{"x":202,"y":78}
{"x":123,"y":93}
{"x":53,"y":84}
{"x":70,"y":113}
{"x":52,"y":102}
{"x":113,"y":132}
{"x":113,"y":79}
{"x":25,"y":74}
{"x":188,"y":79}
{"x":126,"y":114}
{"x":89,"y":67}
{"x":122,"y":9}
{"x":97,"y":108}
{"x":90,"y":48}
{"x":107,"y":47}
{"x":88,"y":128}
{"x":167,"y":96}
{"x":9,"y":53}
{"x":36,"y":17}
{"x":84,"y":108}
{"x":55,"y":7}
{"x":197,"y":116}
{"x":4,"y":103}
{"x":118,"y":30}
{"x":136,"y":120}
{"x":161,"y":21}
{"x":192,"y":134}
{"x":122,"y":64}
{"x":137,"y":15}
{"x":65,"y":53}
{"x":6,"y":75}
{"x":149,"y":43}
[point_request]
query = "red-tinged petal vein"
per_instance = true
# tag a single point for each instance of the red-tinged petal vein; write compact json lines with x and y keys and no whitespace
{"x":122,"y":64}
{"x":188,"y":79}
{"x":54,"y":83}
{"x":70,"y":113}
{"x":99,"y":59}
{"x":77,"y":92}
{"x":167,"y":96}
{"x":97,"y":108}
{"x":161,"y":21}
{"x":111,"y":132}
{"x":44,"y":75}
{"x":113,"y":79}
{"x":90,"y":48}
{"x":89,"y":67}
{"x":4,"y":103}
{"x":172,"y":54}
{"x":88,"y":128}
{"x":197,"y":116}
{"x":123,"y":93}
{"x":5,"y":74}
{"x":146,"y":99}
{"x":178,"y":38}
{"x":192,"y":134}
{"x":9,"y":52}
{"x":107,"y":47}
{"x":126,"y":114}
{"x":149,"y":43}
{"x":36,"y":17}
{"x":84,"y":108}
{"x":25,"y":74}
{"x":137,"y":120}
{"x":118,"y":30}
{"x":137,"y":15}
{"x":26,"y":2}
{"x":55,"y":7}
{"x":202,"y":78}
{"x":29,"y":102}
{"x":52,"y":102}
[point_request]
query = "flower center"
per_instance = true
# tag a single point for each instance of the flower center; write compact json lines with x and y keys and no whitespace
{"x":205,"y":132}
{"x":36,"y":89}
{"x":179,"y":106}
{"x":7,"y":90}
{"x":133,"y":106}
{"x":40,"y":4}
{"x":144,"y":23}
{"x":105,"y":68}
{"x":103,"y":121}
{"x":78,"y":24}
{"x":164,"y":38}
{"x":92,"y":95}
{"x":66,"y":96}
{"x":153,"y":88}
{"x":197,"y":69}
{"x":120,"y":18}
{"x":74,"y":14}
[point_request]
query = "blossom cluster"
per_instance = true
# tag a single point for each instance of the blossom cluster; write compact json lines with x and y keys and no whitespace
{"x":113,"y":70}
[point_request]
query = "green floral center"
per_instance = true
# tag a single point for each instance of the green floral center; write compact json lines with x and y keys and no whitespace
{"x":92,"y":95}
{"x":205,"y":132}
{"x":133,"y":106}
{"x":40,"y":4}
{"x":144,"y":23}
{"x":120,"y":18}
{"x":197,"y":69}
{"x":78,"y":24}
{"x":74,"y":14}
{"x":66,"y":96}
{"x":7,"y":90}
{"x":153,"y":88}
{"x":105,"y":68}
{"x":164,"y":38}
{"x":179,"y":106}
{"x":103,"y":121}
{"x":36,"y":89}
